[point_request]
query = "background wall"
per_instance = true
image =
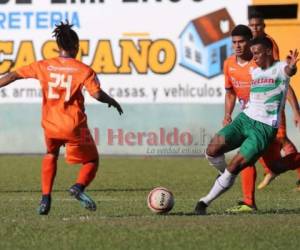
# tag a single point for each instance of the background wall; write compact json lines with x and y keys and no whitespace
{"x":147,"y":129}
{"x":173,"y":111}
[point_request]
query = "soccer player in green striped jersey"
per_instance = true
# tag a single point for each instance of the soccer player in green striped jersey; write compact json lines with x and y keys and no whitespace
{"x":254,"y":128}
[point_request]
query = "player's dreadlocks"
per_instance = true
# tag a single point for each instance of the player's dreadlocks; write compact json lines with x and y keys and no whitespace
{"x":66,"y":37}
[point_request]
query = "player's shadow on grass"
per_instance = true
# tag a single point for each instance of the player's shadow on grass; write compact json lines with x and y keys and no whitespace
{"x":260,"y":212}
{"x":280,"y":211}
{"x":180,"y":214}
{"x":264,"y":212}
{"x":88,"y":190}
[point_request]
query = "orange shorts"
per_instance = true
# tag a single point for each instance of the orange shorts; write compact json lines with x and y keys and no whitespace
{"x":78,"y":150}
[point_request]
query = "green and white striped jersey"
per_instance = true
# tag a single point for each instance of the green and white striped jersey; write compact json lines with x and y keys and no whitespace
{"x":267,"y":94}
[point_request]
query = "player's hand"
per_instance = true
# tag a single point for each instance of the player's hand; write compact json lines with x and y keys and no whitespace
{"x":227,"y":120}
{"x":292,"y":58}
{"x":116,"y":105}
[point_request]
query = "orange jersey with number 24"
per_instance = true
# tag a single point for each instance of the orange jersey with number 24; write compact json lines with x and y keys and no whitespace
{"x":62,"y":80}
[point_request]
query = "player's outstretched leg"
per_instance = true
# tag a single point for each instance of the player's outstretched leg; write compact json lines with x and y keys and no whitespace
{"x":289,"y":162}
{"x":221,"y":185}
{"x":290,"y":148}
{"x":77,"y":190}
{"x":86,"y":174}
{"x":215,"y":155}
{"x":271,"y":155}
{"x":269,"y":177}
{"x":45,"y":205}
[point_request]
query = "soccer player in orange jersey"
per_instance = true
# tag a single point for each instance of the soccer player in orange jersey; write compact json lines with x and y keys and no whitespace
{"x":284,"y":144}
{"x":63,"y":118}
{"x":237,"y":70}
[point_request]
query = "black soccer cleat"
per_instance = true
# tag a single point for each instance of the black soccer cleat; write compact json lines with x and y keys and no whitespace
{"x":200,"y":208}
{"x":77,"y":191}
{"x":45,"y":205}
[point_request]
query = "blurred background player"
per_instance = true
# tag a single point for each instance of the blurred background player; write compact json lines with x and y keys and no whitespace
{"x":257,"y":26}
{"x":237,"y":72}
{"x":63,"y":118}
{"x":256,"y":126}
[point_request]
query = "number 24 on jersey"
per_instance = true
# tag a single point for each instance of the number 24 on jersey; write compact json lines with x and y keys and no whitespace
{"x":59,"y":80}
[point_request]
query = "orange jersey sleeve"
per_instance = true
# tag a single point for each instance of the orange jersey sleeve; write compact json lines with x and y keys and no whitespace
{"x":92,"y":83}
{"x":29,"y":71}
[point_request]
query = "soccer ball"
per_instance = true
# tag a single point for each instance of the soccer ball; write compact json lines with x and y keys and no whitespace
{"x":160,"y":200}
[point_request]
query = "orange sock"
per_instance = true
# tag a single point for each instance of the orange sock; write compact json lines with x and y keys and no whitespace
{"x":49,"y":166}
{"x":87,"y":173}
{"x":248,"y":178}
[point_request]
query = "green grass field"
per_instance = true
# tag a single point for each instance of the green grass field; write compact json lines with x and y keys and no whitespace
{"x":123,"y":220}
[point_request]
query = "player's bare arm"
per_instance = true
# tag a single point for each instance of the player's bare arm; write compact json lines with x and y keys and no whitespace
{"x":9,"y":78}
{"x":292,"y":99}
{"x":230,"y":98}
{"x":101,"y":96}
{"x":293,"y":59}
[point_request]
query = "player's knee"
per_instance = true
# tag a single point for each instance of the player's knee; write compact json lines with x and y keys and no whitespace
{"x":213,"y":148}
{"x":53,"y":153}
{"x":51,"y":156}
{"x":210,"y":151}
{"x":218,"y":162}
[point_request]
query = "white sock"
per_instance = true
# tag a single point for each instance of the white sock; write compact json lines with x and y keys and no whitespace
{"x":218,"y":162}
{"x":222,"y":184}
